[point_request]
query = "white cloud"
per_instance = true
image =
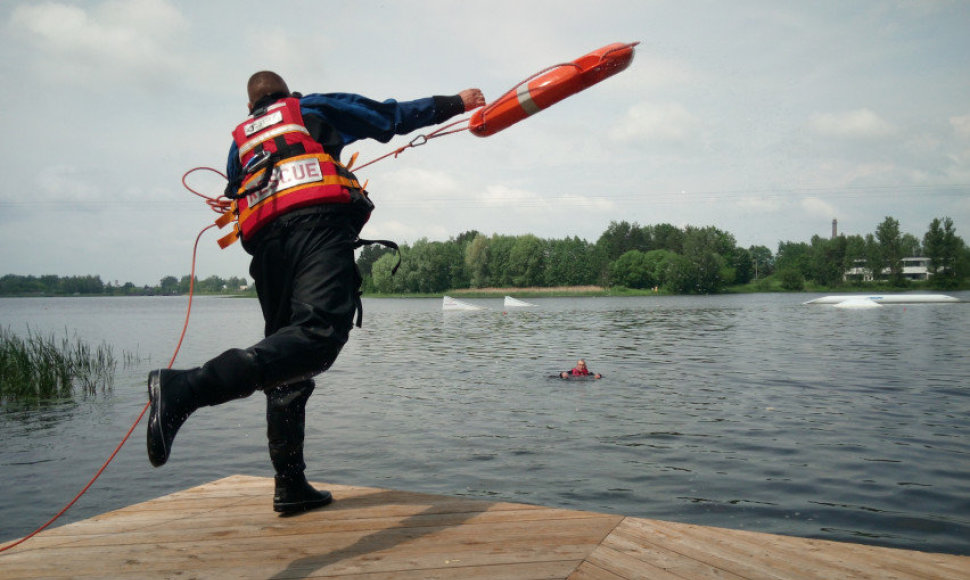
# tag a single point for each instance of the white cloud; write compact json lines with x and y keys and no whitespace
{"x":817,"y":207}
{"x":860,"y":123}
{"x":410,"y":232}
{"x":116,"y":40}
{"x":763,"y":204}
{"x":961,"y":126}
{"x":413,"y":187}
{"x":656,"y":122}
{"x":67,"y":184}
{"x":516,"y":199}
{"x":504,"y":196}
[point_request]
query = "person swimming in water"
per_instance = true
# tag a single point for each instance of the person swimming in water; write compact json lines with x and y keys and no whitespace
{"x":580,"y":370}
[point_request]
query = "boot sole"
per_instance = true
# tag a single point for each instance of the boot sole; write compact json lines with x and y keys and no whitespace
{"x":157,"y":450}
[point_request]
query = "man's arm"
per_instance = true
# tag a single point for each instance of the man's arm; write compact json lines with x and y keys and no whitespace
{"x":357,"y":117}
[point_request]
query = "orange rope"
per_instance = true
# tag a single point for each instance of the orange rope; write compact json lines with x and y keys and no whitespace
{"x":124,"y":440}
{"x":217,"y":204}
{"x":418,"y":141}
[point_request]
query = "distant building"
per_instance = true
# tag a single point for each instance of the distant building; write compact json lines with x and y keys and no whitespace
{"x":914,"y":268}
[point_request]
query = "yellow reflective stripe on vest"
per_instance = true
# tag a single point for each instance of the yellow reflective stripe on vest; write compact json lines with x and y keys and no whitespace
{"x":327,"y":180}
{"x":269,"y":136}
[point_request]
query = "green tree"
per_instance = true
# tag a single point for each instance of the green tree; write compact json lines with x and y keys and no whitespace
{"x":621,"y":237}
{"x":891,"y":246}
{"x":169,"y":285}
{"x":384,"y":281}
{"x":658,"y":261}
{"x":943,"y":247}
{"x":910,"y":246}
{"x":211,"y":285}
{"x":828,"y":260}
{"x":185,"y":284}
{"x":708,"y":239}
{"x":633,"y":271}
{"x":460,"y":273}
{"x":476,"y":262}
{"x":874,"y":260}
{"x":571,"y":262}
{"x":81,"y":285}
{"x":791,"y":279}
{"x":466,"y":238}
{"x":855,"y":252}
{"x":527,"y":260}
{"x":742,"y":263}
{"x":794,"y":256}
{"x":706,"y":249}
{"x":365,"y":261}
{"x":235,"y":283}
{"x":762,"y":260}
{"x":668,"y":237}
{"x":51,"y":284}
{"x":427,"y":266}
{"x":679,"y":275}
{"x":500,"y":260}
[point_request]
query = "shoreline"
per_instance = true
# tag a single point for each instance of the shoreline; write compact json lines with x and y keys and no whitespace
{"x":544,"y":292}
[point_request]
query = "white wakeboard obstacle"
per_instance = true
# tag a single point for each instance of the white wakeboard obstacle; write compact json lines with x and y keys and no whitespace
{"x":449,"y":303}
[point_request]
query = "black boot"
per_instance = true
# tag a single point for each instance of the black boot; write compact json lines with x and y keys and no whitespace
{"x":171,"y":404}
{"x":174,"y":395}
{"x":285,"y":422}
{"x":295,"y":495}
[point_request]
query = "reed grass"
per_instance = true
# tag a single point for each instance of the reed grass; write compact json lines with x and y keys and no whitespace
{"x":37,"y":368}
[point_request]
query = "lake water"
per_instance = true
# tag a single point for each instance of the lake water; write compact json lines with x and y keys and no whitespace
{"x":753,"y":412}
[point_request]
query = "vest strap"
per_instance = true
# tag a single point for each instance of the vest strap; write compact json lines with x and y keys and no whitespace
{"x":359,"y":243}
{"x":229,"y":239}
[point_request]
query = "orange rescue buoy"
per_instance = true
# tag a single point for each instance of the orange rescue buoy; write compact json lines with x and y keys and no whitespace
{"x":548,"y":88}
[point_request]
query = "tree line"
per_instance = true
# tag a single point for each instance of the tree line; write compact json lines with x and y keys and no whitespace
{"x":663,"y":257}
{"x":51,"y":285}
{"x":879,"y":254}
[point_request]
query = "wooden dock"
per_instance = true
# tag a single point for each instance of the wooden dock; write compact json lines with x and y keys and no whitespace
{"x":227,"y":529}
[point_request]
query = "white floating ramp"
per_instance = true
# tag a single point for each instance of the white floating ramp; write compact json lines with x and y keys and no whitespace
{"x":857,"y":304}
{"x":516,"y":303}
{"x":887,"y":299}
{"x":449,"y":303}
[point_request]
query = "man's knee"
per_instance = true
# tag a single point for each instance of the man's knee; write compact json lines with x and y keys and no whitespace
{"x":289,"y":395}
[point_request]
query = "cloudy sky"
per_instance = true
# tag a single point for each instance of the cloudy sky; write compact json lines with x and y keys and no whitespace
{"x":766,"y":119}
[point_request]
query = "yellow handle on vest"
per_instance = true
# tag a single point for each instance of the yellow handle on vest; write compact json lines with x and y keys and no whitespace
{"x":230,"y":238}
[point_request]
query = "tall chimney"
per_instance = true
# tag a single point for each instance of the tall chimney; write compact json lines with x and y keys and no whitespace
{"x":835,"y":228}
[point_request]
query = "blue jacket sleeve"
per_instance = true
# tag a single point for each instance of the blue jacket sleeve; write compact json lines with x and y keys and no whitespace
{"x":233,"y":167}
{"x":356,"y":117}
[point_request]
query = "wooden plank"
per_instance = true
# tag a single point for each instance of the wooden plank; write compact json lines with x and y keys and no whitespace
{"x":588,"y":571}
{"x":634,"y":553}
{"x":227,"y":529}
{"x":626,"y":565}
{"x":757,"y":555}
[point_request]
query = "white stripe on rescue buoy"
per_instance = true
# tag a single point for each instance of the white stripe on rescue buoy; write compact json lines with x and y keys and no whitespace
{"x":525,"y":100}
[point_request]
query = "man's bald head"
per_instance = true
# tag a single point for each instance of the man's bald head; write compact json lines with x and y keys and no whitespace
{"x":265,"y":83}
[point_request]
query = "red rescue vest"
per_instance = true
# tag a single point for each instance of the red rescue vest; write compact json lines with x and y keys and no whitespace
{"x":302,"y":173}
